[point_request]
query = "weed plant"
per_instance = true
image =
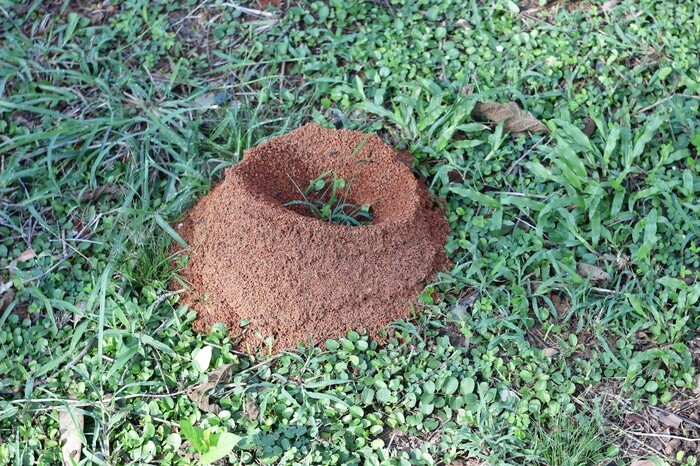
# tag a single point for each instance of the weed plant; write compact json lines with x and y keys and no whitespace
{"x":326,"y":198}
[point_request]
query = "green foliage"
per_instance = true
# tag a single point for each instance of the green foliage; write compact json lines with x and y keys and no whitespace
{"x":114,"y":120}
{"x":212,"y":446}
{"x":573,"y":441}
{"x":326,"y":199}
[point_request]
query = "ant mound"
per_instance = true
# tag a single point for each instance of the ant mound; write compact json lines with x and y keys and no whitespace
{"x":255,"y":257}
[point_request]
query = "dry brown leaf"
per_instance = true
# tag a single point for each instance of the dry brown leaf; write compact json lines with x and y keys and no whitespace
{"x":672,"y":420}
{"x":609,"y":5}
{"x":221,"y":375}
{"x":549,"y":352}
{"x":70,"y":426}
{"x":588,"y":126}
{"x":514,"y":119}
{"x":90,"y":195}
{"x":635,"y":418}
{"x":26,"y":255}
{"x":672,"y":446}
{"x":251,"y":410}
{"x":593,"y":272}
{"x":642,"y":463}
{"x":6,"y":297}
{"x":199,"y":393}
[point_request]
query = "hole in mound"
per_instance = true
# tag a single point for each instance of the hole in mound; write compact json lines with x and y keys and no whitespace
{"x":285,"y":173}
{"x":327,"y":197}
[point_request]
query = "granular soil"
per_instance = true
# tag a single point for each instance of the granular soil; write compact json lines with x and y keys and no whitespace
{"x":296,"y":277}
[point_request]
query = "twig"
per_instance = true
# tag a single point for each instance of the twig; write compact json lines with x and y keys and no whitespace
{"x":644,"y":445}
{"x":527,"y":152}
{"x":643,"y":434}
{"x":252,"y":12}
{"x":603,"y":290}
{"x":165,"y":421}
{"x":517,"y":194}
{"x":165,"y":296}
{"x":666,"y":99}
{"x":157,"y":302}
{"x":82,"y":353}
{"x":148,"y":395}
{"x":685,"y":419}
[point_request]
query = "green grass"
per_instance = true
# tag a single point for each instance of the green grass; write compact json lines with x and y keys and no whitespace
{"x":115,"y":119}
{"x":573,"y":441}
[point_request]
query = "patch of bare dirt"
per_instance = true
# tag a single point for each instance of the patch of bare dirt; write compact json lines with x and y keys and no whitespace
{"x":294,"y":277}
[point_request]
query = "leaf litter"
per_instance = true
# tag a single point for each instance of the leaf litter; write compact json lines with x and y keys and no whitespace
{"x":70,"y":424}
{"x":199,"y":393}
{"x":514,"y":119}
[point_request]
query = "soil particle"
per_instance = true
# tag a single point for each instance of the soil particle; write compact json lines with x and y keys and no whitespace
{"x":293,"y":276}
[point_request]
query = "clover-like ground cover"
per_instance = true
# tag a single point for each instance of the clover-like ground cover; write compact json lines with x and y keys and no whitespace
{"x":572,"y":304}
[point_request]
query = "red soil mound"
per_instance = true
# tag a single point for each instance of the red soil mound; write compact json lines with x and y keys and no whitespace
{"x":296,"y":277}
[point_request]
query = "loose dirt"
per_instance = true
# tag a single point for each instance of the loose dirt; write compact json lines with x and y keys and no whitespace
{"x":295,"y":277}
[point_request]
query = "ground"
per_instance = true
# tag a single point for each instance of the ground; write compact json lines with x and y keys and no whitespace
{"x":561,"y":138}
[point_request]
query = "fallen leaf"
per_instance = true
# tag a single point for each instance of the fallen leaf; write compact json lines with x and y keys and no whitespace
{"x":27,"y":254}
{"x":593,"y":272}
{"x":635,"y":418}
{"x":93,"y":194}
{"x":460,"y":309}
{"x":202,"y":359}
{"x":514,"y":119}
{"x":672,"y":420}
{"x":70,"y":424}
{"x":642,"y":463}
{"x":609,"y":5}
{"x":251,"y":410}
{"x":588,"y":126}
{"x":672,"y":446}
{"x":549,"y":352}
{"x":221,"y":375}
{"x":6,"y":296}
{"x":200,"y":393}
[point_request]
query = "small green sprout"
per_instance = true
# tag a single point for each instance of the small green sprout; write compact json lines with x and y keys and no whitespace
{"x":326,"y":197}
